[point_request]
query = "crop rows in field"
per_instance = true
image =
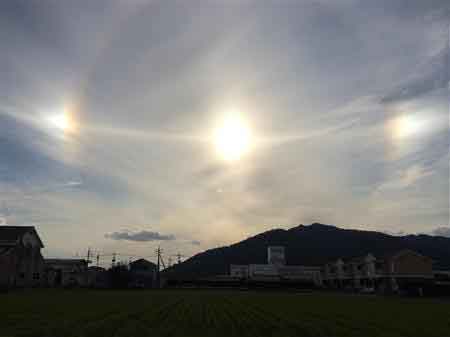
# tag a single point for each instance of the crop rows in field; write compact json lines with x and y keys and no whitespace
{"x":215,"y":313}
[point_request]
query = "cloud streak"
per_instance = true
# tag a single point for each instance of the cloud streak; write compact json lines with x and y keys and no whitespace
{"x":141,"y":236}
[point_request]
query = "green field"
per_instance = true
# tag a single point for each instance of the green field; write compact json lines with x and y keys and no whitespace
{"x":65,"y":313}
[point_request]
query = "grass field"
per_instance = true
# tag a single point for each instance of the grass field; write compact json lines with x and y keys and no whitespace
{"x":65,"y":313}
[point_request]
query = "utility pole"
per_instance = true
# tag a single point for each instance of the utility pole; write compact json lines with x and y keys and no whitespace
{"x":158,"y":266}
{"x":88,"y":255}
{"x":98,"y":258}
{"x":158,"y":276}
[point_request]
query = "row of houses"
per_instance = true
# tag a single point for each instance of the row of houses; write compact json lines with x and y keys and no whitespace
{"x":390,"y":273}
{"x":22,"y":265}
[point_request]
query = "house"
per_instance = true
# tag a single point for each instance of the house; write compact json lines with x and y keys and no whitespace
{"x":142,"y":274}
{"x":97,"y":277}
{"x":392,"y":272}
{"x":21,"y":262}
{"x":66,"y":272}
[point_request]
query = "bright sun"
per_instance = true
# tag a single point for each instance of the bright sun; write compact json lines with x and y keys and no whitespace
{"x":62,"y":122}
{"x":232,"y":138}
{"x":406,"y":126}
{"x":59,"y":121}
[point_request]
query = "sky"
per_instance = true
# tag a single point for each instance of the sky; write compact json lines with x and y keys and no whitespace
{"x":125,"y":125}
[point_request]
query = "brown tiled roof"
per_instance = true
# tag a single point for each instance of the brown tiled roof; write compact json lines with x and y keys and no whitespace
{"x":11,"y":234}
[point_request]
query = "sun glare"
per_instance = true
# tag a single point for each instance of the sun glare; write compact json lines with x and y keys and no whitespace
{"x":61,"y":121}
{"x":232,"y":138}
{"x":407,"y":126}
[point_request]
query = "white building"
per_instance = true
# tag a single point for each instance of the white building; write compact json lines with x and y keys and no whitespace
{"x":301,"y":273}
{"x":263,"y":271}
{"x":239,"y":271}
{"x":276,"y":269}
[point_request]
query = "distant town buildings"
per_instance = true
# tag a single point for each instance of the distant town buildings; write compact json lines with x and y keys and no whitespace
{"x":391,"y":272}
{"x":22,"y":265}
{"x":401,"y":271}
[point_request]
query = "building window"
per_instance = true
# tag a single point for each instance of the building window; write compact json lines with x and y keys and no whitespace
{"x":36,"y":276}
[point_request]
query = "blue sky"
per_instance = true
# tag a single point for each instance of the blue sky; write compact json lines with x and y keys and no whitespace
{"x":347,"y":103}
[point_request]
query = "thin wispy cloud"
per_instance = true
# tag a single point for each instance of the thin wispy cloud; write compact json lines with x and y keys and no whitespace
{"x":72,"y":184}
{"x":406,"y":178}
{"x":431,"y":76}
{"x":141,"y":236}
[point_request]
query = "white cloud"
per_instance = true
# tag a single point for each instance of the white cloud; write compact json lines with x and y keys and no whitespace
{"x":141,"y":236}
{"x":73,"y":184}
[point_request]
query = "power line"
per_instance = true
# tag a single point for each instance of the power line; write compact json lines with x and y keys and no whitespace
{"x":127,"y":258}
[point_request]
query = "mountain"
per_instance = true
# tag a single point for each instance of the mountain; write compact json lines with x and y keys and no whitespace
{"x":311,"y":245}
